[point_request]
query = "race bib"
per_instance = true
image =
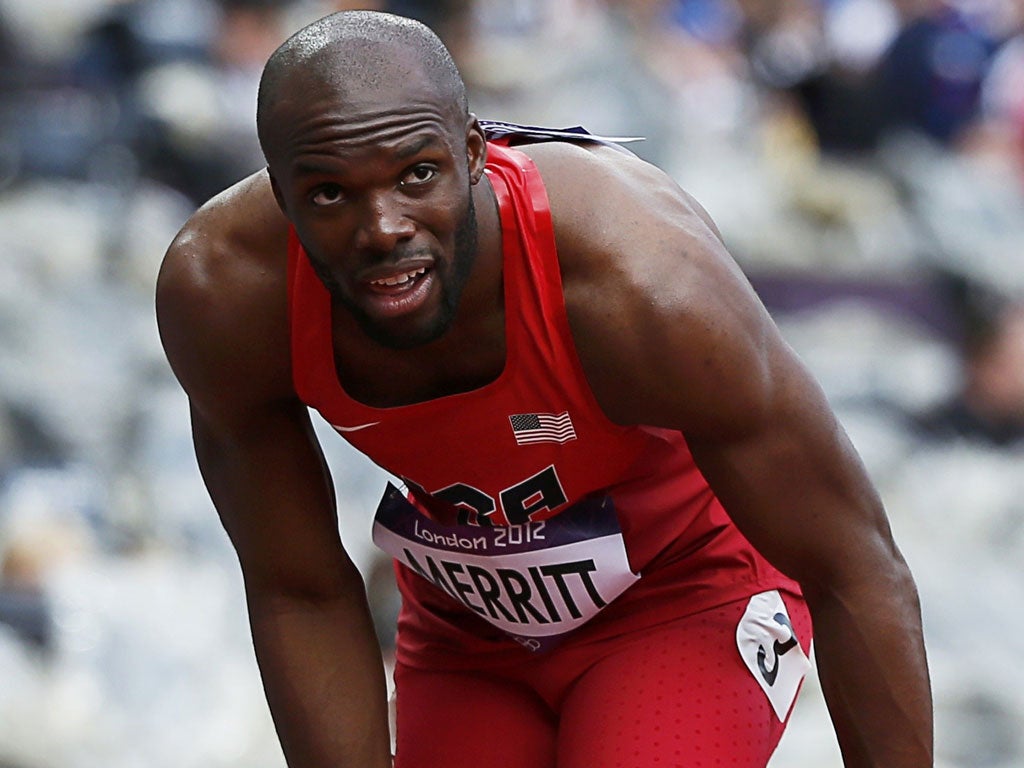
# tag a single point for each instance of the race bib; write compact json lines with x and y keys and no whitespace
{"x":770,"y":650}
{"x":536,"y":581}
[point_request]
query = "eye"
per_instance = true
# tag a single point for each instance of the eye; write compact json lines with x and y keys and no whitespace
{"x":329,"y":194}
{"x":419,"y":174}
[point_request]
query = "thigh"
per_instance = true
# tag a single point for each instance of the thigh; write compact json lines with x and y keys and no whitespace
{"x":460,"y":720}
{"x":676,"y":696}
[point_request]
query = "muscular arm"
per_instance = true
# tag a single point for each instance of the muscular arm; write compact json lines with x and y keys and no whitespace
{"x":671,"y":334}
{"x":221,"y":307}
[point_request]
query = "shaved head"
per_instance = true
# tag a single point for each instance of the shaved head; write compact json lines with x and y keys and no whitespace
{"x":352,"y":52}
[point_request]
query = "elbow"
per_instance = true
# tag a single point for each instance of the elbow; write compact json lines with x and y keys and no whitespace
{"x":853,"y":575}
{"x":280,"y":591}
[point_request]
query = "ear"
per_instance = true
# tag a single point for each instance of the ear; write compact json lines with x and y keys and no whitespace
{"x":476,"y":149}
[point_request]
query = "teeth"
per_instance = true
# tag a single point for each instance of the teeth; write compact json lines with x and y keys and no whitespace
{"x":399,"y":279}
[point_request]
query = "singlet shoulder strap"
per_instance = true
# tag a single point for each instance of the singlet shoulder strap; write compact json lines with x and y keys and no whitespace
{"x":514,"y":134}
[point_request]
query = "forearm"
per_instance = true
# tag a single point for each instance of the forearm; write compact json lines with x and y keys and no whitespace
{"x":871,"y":661}
{"x":324,"y":680}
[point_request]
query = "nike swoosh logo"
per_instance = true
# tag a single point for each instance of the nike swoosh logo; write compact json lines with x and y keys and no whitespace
{"x":356,"y":428}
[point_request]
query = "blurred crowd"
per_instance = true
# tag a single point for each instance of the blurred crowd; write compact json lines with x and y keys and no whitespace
{"x":864,"y":160}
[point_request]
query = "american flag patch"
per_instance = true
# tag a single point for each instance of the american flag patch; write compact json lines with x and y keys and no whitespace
{"x":542,"y":428}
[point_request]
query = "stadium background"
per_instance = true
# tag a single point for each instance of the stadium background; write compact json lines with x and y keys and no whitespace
{"x":863,"y":158}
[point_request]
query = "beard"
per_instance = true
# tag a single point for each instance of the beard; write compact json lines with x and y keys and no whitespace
{"x":451,"y":280}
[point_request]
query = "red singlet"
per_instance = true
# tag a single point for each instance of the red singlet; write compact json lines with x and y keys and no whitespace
{"x":537,"y":523}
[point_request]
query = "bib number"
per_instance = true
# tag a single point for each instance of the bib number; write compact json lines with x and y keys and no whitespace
{"x":536,"y":581}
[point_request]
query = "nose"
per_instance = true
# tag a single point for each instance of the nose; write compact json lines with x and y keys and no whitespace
{"x":383,"y":223}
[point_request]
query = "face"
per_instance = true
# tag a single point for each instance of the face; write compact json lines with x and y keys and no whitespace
{"x":380,"y":197}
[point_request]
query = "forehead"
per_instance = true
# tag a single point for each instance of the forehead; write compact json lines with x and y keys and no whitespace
{"x":329,"y":137}
{"x":345,"y":117}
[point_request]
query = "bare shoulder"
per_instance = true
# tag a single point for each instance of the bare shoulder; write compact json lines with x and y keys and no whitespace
{"x":222,"y":299}
{"x":598,"y":193}
{"x":243,"y":220}
{"x":667,"y":327}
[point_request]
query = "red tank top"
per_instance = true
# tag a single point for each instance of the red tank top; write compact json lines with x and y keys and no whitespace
{"x":523,"y":455}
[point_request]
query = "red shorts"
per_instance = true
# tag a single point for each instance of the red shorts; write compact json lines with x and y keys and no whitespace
{"x":680,"y":694}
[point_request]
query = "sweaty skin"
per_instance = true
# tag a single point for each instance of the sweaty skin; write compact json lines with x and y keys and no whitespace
{"x":669,"y":334}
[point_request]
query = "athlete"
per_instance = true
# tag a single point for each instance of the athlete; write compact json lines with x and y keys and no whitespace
{"x":623,"y":499}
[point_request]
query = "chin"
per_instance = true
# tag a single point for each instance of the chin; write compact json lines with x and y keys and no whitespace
{"x":408,"y":337}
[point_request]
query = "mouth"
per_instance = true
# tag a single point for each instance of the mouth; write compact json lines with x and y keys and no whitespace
{"x":398,"y":292}
{"x":398,"y":281}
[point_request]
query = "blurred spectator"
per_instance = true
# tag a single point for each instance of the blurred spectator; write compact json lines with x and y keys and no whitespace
{"x":863,"y":70}
{"x":930,"y":78}
{"x":452,"y":20}
{"x":838,"y":90}
{"x":694,"y":49}
{"x":355,"y":5}
{"x":164,"y":89}
{"x":13,"y":73}
{"x":998,"y":136}
{"x":23,"y":606}
{"x":200,"y":114}
{"x":989,"y":404}
{"x":32,"y":552}
{"x":561,"y":63}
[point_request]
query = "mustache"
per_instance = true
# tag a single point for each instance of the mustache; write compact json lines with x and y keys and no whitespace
{"x":402,"y":252}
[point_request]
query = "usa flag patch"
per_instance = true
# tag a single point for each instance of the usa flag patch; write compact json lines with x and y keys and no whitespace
{"x":531,"y":428}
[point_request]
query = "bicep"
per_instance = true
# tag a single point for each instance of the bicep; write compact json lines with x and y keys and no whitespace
{"x":271,"y":487}
{"x":793,"y":483}
{"x":762,"y":432}
{"x":765,"y":437}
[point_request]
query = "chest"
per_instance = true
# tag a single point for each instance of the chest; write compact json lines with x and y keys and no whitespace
{"x":459,"y":362}
{"x":510,"y":453}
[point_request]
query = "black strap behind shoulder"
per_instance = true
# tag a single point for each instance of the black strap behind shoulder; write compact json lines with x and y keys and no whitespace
{"x":513,"y":133}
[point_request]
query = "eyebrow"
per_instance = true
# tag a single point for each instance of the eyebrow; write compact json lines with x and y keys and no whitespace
{"x":313,"y":168}
{"x":406,"y":152}
{"x":306,"y":168}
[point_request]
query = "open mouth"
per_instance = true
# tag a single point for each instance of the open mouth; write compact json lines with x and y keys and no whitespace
{"x":399,"y":281}
{"x":399,"y":293}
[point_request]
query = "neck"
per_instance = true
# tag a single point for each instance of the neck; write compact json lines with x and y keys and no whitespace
{"x":484,"y":290}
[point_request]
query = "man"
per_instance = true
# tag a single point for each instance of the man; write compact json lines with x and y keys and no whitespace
{"x":544,"y":345}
